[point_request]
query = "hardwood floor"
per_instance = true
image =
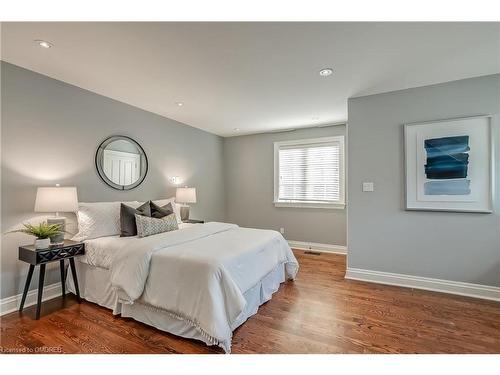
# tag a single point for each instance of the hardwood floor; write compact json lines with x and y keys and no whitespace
{"x":318,"y":313}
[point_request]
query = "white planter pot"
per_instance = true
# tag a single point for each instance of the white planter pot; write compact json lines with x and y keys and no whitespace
{"x":42,"y":243}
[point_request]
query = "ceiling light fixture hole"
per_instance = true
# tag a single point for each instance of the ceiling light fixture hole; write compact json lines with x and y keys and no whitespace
{"x":326,"y":72}
{"x":43,"y":43}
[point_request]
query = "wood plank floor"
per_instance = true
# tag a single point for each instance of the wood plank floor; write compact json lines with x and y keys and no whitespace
{"x":320,"y":312}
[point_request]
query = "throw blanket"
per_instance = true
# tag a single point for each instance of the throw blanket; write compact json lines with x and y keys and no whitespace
{"x":200,"y":274}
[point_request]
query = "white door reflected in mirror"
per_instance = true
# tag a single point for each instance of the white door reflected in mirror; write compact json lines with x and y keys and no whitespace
{"x":121,"y":167}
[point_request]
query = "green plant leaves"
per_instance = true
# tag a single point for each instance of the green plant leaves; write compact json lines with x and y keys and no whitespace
{"x":41,"y":231}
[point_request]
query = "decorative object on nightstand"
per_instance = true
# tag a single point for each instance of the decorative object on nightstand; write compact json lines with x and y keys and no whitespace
{"x":184,"y":196}
{"x":67,"y":250}
{"x":43,"y":232}
{"x":56,"y":199}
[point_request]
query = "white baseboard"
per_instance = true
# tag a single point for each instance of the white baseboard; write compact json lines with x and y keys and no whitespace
{"x":11,"y":304}
{"x":322,"y":247}
{"x":426,"y":283}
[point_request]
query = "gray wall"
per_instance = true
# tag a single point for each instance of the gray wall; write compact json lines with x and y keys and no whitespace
{"x":50,"y":132}
{"x":249,"y":180}
{"x":383,"y":236}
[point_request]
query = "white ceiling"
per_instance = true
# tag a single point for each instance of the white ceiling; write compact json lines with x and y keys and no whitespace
{"x":253,"y":76}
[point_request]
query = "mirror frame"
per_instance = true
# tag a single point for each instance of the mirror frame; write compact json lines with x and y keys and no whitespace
{"x":99,"y":158}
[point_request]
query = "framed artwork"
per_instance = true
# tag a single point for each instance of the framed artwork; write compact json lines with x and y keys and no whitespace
{"x":449,"y":165}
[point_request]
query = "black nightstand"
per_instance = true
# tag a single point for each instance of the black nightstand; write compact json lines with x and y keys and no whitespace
{"x":68,"y":250}
{"x":193,"y":221}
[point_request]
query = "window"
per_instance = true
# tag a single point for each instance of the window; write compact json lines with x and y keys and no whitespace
{"x":309,"y":173}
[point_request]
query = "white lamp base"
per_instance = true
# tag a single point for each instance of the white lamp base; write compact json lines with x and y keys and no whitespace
{"x":185,"y":213}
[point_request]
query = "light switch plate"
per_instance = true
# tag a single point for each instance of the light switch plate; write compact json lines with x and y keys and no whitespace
{"x":368,"y":186}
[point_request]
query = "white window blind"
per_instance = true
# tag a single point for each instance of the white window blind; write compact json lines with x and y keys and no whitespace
{"x":310,"y":172}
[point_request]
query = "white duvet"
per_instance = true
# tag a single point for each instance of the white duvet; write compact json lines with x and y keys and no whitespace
{"x":199,"y":274}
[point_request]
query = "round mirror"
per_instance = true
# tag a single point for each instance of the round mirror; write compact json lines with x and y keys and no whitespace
{"x":121,"y":162}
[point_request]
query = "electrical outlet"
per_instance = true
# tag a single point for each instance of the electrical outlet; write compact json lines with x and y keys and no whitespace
{"x":368,"y":186}
{"x":282,"y":230}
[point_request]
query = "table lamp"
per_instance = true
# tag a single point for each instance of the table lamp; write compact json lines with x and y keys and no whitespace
{"x":185,"y":195}
{"x":56,"y":199}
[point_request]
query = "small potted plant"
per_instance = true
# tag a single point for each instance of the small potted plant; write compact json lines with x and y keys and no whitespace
{"x":42,"y":232}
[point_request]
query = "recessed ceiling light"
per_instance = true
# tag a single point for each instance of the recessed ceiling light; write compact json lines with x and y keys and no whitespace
{"x":315,"y":118}
{"x":326,"y":72}
{"x":236,"y":129}
{"x":44,"y":43}
{"x":179,"y":104}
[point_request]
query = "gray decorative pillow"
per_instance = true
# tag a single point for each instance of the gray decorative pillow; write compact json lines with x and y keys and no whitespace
{"x":159,"y":212}
{"x":147,"y":226}
{"x":127,"y":218}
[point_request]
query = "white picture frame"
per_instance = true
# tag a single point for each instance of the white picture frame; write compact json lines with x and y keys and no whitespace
{"x":449,"y":165}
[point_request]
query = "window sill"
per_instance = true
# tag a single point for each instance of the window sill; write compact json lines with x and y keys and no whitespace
{"x":335,"y":206}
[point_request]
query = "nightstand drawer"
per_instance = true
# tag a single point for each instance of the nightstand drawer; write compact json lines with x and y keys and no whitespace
{"x":70,"y":249}
{"x":59,"y":253}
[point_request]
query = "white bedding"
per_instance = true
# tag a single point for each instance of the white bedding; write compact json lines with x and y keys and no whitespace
{"x":198,"y":274}
{"x":100,"y":252}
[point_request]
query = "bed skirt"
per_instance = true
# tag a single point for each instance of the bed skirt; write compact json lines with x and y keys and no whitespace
{"x":95,"y":287}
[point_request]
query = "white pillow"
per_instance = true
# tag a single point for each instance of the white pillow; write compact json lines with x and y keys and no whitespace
{"x":176,"y":207}
{"x":99,"y":219}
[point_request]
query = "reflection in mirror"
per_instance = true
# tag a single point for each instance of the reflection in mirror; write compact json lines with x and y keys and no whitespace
{"x":121,"y":162}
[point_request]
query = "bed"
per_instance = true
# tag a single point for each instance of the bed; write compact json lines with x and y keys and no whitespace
{"x":199,"y":282}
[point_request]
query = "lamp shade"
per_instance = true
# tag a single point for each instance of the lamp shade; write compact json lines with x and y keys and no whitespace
{"x":185,"y":195}
{"x":56,"y":199}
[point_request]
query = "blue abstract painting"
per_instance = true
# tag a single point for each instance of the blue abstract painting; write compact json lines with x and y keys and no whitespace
{"x":447,"y":163}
